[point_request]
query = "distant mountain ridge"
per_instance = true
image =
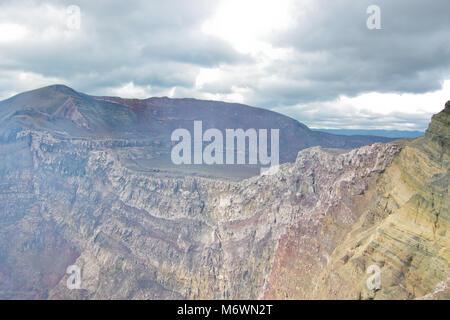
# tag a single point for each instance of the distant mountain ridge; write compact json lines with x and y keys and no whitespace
{"x":397,"y":134}
{"x":62,"y":110}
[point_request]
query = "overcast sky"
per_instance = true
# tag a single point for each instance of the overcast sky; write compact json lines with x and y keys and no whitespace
{"x":314,"y":60}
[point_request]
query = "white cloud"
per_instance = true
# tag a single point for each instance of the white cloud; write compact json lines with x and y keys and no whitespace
{"x":13,"y":82}
{"x":207,"y":75}
{"x":236,"y":95}
{"x":10,"y":32}
{"x":245,"y":24}
{"x":385,"y":103}
{"x":372,"y":111}
{"x":130,"y":90}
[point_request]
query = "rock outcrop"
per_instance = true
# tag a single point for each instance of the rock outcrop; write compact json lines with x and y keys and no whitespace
{"x":402,"y":228}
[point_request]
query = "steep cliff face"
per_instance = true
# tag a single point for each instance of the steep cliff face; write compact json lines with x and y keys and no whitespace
{"x":402,"y":228}
{"x":308,"y":231}
{"x":149,"y":236}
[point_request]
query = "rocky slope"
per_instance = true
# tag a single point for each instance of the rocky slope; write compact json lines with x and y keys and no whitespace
{"x":309,"y":231}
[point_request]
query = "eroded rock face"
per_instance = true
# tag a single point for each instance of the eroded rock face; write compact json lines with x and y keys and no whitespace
{"x":150,"y":236}
{"x":308,"y":231}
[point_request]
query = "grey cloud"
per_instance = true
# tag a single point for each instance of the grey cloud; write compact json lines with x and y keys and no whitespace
{"x":409,"y":54}
{"x":204,"y":51}
{"x":149,"y":43}
{"x":160,"y":44}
